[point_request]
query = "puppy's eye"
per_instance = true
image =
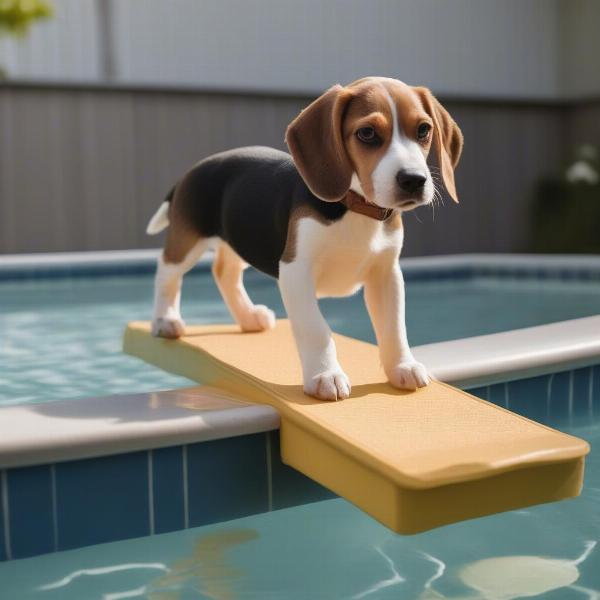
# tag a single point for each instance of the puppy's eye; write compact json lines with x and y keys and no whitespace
{"x":367,"y":135}
{"x":423,"y":130}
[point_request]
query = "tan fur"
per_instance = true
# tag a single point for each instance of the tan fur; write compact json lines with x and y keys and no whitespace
{"x":410,"y":109}
{"x":447,"y":138}
{"x":369,"y":107}
{"x":323,"y":143}
{"x":181,"y":238}
{"x":302,"y":212}
{"x":218,"y":266}
{"x":228,"y":268}
{"x":314,"y":138}
{"x":394,"y":223}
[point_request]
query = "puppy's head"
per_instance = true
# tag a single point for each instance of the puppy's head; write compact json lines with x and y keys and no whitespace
{"x":374,"y":136}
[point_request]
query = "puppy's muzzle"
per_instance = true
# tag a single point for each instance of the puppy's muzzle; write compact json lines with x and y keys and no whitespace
{"x":411,"y":184}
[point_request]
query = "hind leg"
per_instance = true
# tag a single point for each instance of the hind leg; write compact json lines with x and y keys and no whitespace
{"x":173,"y":264}
{"x":228,"y":269}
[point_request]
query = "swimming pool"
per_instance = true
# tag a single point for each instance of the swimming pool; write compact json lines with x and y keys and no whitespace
{"x":331,"y":550}
{"x":61,"y":335}
{"x":182,"y":494}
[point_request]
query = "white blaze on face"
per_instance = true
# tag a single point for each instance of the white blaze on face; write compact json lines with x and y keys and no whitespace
{"x":402,"y":154}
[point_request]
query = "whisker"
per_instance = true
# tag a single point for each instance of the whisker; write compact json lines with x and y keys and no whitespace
{"x":437,"y":196}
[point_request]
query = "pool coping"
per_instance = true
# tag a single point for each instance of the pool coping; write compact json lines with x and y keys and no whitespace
{"x":148,"y":255}
{"x":74,"y":429}
{"x":53,"y":432}
{"x":119,"y":261}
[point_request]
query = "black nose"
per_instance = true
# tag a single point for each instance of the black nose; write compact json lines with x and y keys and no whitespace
{"x":410,"y":181}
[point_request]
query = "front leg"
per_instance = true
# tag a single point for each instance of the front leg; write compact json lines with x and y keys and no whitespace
{"x":384,"y":296}
{"x":323,"y":377}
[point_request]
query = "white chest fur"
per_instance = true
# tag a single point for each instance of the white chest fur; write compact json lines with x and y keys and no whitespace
{"x":343,"y":253}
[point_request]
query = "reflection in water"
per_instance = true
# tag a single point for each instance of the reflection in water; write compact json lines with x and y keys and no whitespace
{"x":510,"y":577}
{"x":136,"y":593}
{"x":199,"y":398}
{"x":208,"y":570}
{"x":441,"y":569}
{"x":395,"y":579}
{"x":100,"y":571}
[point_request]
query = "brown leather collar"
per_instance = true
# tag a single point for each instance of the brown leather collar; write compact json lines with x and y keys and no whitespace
{"x":356,"y":203}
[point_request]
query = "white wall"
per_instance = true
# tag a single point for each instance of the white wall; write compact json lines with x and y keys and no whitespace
{"x":498,"y":48}
{"x":506,"y":48}
{"x":580,"y":59}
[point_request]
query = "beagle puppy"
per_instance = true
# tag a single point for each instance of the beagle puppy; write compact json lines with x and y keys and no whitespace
{"x":325,"y":221}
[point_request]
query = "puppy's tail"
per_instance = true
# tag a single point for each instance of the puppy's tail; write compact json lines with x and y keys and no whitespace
{"x":160,"y":220}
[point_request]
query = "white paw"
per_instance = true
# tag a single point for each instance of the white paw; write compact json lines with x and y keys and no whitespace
{"x":167,"y":327}
{"x":331,"y":385}
{"x":408,"y":375}
{"x":259,"y":318}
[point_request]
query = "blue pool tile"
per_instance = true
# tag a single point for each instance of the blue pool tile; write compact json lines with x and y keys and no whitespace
{"x":30,"y":511}
{"x":529,"y":397}
{"x":227,"y":479}
{"x":584,"y":275}
{"x":596,"y":389}
{"x":3,"y":540}
{"x":498,"y":394}
{"x":566,"y":274}
{"x":559,"y":390}
{"x":290,"y":487}
{"x":84,"y":271}
{"x":167,"y":486}
{"x":582,"y":380}
{"x":521,"y":274}
{"x":480,"y":392}
{"x":102,"y":499}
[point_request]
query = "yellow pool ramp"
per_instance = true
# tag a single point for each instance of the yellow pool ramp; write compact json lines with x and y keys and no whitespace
{"x":412,"y":460}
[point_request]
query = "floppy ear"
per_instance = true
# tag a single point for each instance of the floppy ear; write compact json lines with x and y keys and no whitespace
{"x":316,"y":142}
{"x":447,"y":139}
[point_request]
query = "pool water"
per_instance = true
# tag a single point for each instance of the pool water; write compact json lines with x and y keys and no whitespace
{"x":61,"y":338}
{"x":330,"y":550}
